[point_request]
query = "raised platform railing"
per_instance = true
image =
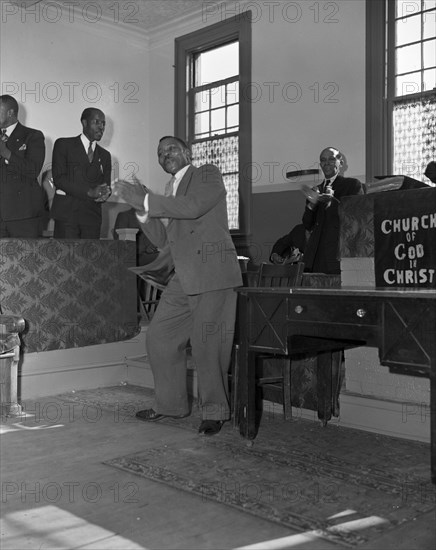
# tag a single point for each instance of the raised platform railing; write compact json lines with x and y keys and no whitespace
{"x":10,"y":328}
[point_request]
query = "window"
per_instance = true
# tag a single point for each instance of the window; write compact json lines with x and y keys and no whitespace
{"x":213,"y":65}
{"x":401,"y":100}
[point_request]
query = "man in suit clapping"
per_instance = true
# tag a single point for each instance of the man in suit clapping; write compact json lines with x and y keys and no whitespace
{"x":82,"y":178}
{"x":198,"y":306}
{"x":321,"y":216}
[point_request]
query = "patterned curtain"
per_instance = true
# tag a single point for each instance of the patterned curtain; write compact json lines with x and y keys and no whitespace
{"x":224,"y":153}
{"x":414,"y":136}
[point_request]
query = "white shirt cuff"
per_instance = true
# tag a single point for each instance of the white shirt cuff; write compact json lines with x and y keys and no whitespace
{"x":144,"y":217}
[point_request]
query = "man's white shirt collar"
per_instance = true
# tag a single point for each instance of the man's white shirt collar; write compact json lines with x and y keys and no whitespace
{"x":11,"y":128}
{"x":178,"y":177}
{"x":331,"y":180}
{"x":143,"y":218}
{"x":86,"y":142}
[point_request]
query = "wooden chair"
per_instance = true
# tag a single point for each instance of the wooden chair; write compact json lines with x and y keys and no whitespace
{"x":271,"y":275}
{"x":149,"y":295}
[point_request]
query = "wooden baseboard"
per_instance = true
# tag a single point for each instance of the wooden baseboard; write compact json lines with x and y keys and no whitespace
{"x":53,"y":372}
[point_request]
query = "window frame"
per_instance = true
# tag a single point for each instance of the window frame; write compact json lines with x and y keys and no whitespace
{"x":380,"y":90}
{"x":376,"y":128}
{"x":236,"y":28}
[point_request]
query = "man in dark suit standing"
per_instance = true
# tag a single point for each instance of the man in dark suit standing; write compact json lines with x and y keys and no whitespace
{"x":82,"y":178}
{"x":198,"y":306}
{"x":321,"y":214}
{"x":22,"y":153}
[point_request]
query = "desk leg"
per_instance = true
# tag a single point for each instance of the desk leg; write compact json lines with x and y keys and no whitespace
{"x":324,"y":386}
{"x":247,"y":394}
{"x":433,"y":421}
{"x":246,"y":383}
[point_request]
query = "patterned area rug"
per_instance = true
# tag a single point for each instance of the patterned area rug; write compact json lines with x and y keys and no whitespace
{"x":336,"y":483}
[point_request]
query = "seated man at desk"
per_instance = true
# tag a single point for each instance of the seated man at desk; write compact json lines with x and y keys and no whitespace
{"x":289,"y":249}
{"x":321,"y":213}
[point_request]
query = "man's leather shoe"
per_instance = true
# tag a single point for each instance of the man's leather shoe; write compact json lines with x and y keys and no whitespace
{"x":210,"y":427}
{"x":150,"y":415}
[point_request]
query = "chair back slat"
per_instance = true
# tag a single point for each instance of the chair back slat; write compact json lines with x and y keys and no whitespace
{"x":288,"y":275}
{"x":149,"y":296}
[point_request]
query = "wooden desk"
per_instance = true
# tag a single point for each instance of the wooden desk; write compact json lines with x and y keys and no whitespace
{"x":400,"y":323}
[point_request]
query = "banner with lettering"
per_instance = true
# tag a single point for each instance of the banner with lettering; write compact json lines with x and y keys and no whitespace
{"x":405,"y":238}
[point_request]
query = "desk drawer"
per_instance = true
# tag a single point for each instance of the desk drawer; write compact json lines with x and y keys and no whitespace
{"x":342,"y":310}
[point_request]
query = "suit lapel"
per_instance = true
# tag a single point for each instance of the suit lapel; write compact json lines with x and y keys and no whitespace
{"x":17,"y":138}
{"x":97,"y":153}
{"x":337,"y":182}
{"x":184,"y":184}
{"x":182,"y":188}
{"x":80,"y":149}
{"x":97,"y":158}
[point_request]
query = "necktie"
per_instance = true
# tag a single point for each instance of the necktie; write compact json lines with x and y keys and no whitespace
{"x":3,"y":138}
{"x":90,"y":152}
{"x":169,"y":190}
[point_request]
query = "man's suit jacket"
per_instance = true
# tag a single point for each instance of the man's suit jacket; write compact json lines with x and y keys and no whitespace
{"x":322,"y":250}
{"x":21,"y":196}
{"x":197,"y":236}
{"x":75,"y":175}
{"x":296,"y":238}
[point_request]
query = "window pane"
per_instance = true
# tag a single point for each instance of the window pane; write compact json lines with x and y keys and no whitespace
{"x":232,"y":93}
{"x":231,"y":184}
{"x":218,"y":97}
{"x":202,"y":123}
{"x":408,"y":58}
{"x":429,"y":79}
{"x":218,"y":120}
{"x":408,"y":84}
{"x":408,"y":30}
{"x":202,"y":101}
{"x":429,"y":24}
{"x":224,"y":153}
{"x":233,"y":116}
{"x":414,"y":126}
{"x":429,"y":53}
{"x":406,"y":7}
{"x":217,"y":64}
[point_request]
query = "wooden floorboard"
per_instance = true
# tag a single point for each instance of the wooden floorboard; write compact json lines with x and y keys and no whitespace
{"x":58,"y":494}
